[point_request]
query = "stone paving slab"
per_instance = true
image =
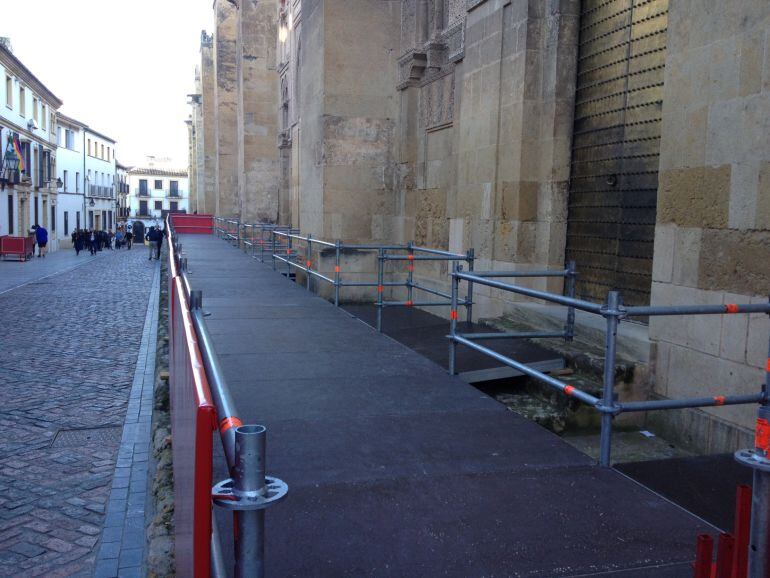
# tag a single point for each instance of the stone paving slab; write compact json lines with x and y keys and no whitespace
{"x":448,"y":486}
{"x":69,"y":349}
{"x":14,"y":274}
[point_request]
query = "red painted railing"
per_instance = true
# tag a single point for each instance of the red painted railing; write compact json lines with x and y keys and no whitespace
{"x":193,"y":421}
{"x":21,"y":247}
{"x":192,"y":224}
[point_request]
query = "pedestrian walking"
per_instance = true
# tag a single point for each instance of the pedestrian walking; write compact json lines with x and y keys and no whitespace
{"x":93,"y":242}
{"x":152,"y":238}
{"x":160,"y":236}
{"x":118,"y":239}
{"x":79,"y":242}
{"x":41,"y":237}
{"x":129,"y":240}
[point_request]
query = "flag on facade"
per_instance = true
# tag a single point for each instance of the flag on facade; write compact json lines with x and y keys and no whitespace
{"x":19,"y":154}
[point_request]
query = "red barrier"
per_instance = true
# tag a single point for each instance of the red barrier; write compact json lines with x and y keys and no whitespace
{"x":192,"y":224}
{"x":703,"y":551}
{"x":193,"y":421}
{"x":21,"y":247}
{"x":742,"y":531}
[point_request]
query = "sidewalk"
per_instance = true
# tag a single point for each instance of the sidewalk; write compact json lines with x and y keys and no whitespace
{"x":70,"y":340}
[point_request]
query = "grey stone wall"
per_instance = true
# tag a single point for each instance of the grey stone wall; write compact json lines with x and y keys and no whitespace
{"x":228,"y":203}
{"x":712,"y":243}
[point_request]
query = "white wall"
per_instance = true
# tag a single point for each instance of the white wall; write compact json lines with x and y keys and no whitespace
{"x":69,"y":168}
{"x":157,"y":195}
{"x":101,"y":173}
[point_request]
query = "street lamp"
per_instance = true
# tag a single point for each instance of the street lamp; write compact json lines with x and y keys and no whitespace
{"x":10,"y":166}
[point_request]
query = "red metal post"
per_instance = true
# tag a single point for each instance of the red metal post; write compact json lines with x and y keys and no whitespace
{"x":742,"y":531}
{"x":725,"y":553}
{"x":703,"y":552}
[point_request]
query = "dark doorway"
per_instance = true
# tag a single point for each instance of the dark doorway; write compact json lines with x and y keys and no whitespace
{"x":616,"y":143}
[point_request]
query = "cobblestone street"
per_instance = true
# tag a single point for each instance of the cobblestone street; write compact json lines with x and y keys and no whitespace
{"x":69,"y":345}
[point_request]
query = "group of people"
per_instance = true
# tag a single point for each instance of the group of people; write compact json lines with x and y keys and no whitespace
{"x":95,"y":241}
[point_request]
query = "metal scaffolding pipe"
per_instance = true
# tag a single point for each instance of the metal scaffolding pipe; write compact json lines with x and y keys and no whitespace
{"x":525,"y":369}
{"x":545,"y":296}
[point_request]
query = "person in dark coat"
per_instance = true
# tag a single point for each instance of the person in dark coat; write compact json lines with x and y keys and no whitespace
{"x":79,"y":242}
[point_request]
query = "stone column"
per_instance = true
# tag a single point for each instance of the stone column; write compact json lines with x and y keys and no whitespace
{"x":228,"y":203}
{"x":208,"y":196}
{"x":258,"y":111}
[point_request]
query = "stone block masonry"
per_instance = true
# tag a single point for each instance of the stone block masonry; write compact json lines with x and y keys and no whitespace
{"x":712,"y":244}
{"x":69,"y":356}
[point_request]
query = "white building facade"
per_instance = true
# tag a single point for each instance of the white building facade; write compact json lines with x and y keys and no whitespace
{"x":100,"y":172}
{"x":154,"y":192}
{"x":70,"y":167}
{"x":27,"y":125}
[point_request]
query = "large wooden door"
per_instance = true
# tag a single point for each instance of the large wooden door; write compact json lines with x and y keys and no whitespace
{"x":616,"y":143}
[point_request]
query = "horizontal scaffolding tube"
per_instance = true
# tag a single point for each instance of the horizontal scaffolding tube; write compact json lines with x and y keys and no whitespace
{"x":552,"y":297}
{"x":365,"y":284}
{"x":522,"y":335}
{"x":412,"y":258}
{"x":564,"y":273}
{"x":307,"y":239}
{"x":419,"y":303}
{"x":439,"y":252}
{"x":435,"y":292}
{"x":526,"y":370}
{"x":375,"y":247}
{"x":698,"y":309}
{"x":694,"y":402}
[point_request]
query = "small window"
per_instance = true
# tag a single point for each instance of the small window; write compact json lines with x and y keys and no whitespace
{"x":102,"y":152}
{"x":34,"y":109}
{"x":158,"y":205}
{"x":64,"y":182}
{"x":89,"y":147}
{"x":53,"y":218}
{"x":158,"y":185}
{"x":8,"y":91}
{"x":43,"y":117}
{"x":77,"y":187}
{"x":22,"y":101}
{"x":143,"y":208}
{"x":108,"y":153}
{"x":66,"y":223}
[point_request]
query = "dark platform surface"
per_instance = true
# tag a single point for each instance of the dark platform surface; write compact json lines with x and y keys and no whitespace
{"x":426,"y":334}
{"x":396,"y":468}
{"x":704,"y":485}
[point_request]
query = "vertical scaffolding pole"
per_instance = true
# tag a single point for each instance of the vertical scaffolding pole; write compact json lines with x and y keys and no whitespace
{"x":289,"y":251}
{"x":380,"y":286}
{"x":248,"y":481}
{"x":759,"y":460}
{"x":453,"y":319}
{"x":337,"y":273}
{"x":608,"y":397}
{"x":273,"y":236}
{"x":410,"y":271}
{"x":471,"y":258}
{"x":569,"y":330}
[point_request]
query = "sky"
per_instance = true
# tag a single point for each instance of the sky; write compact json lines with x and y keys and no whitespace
{"x":123,"y":67}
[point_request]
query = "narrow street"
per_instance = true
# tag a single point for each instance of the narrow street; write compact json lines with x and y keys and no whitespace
{"x":69,"y":339}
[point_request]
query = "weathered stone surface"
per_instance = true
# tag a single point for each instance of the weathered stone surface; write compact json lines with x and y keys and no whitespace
{"x":695,"y":197}
{"x":735,"y":261}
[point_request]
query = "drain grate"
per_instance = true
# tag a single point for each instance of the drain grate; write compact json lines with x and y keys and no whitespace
{"x":97,"y":435}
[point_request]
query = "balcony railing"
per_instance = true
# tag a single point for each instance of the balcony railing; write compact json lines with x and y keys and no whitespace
{"x":142,"y":192}
{"x":101,"y":191}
